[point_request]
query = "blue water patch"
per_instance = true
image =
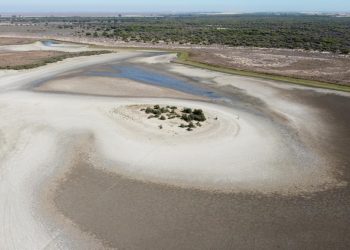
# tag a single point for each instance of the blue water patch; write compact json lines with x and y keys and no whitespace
{"x":155,"y":78}
{"x":49,"y":43}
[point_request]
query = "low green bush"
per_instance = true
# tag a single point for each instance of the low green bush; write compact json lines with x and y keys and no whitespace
{"x":187,"y":110}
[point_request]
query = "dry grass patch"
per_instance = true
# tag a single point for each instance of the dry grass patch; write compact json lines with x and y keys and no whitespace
{"x":15,"y":40}
{"x":34,"y":59}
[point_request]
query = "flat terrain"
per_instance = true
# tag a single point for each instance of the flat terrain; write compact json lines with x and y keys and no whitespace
{"x":83,"y":168}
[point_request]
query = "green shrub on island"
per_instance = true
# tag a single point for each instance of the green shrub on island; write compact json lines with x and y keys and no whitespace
{"x":185,"y":117}
{"x":164,"y":110}
{"x":199,"y":118}
{"x":197,"y":112}
{"x":187,"y":110}
{"x":198,"y":115}
{"x":171,"y":112}
{"x":148,"y":110}
{"x":191,"y":125}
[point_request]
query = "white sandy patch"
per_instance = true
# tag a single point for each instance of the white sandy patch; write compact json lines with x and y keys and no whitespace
{"x":64,"y":47}
{"x":238,"y":152}
{"x":167,"y":58}
{"x":32,"y":153}
{"x":193,"y":72}
{"x":21,"y":172}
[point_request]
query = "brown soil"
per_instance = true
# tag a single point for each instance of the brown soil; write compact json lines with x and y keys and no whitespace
{"x":127,"y":214}
{"x":13,"y":59}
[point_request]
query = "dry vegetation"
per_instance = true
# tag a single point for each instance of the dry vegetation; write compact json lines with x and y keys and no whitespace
{"x":10,"y":59}
{"x":324,"y":67}
{"x":33,"y":59}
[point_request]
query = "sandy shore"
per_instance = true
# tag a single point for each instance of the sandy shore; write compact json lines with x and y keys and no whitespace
{"x":259,"y":146}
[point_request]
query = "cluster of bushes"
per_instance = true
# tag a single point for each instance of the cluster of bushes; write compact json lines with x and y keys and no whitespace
{"x":192,"y":117}
{"x":195,"y":115}
{"x":157,"y":112}
{"x":323,"y":33}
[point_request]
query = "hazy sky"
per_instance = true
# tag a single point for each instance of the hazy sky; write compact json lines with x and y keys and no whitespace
{"x":173,"y":5}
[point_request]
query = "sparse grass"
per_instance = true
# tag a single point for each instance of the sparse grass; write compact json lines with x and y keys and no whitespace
{"x":184,"y":58}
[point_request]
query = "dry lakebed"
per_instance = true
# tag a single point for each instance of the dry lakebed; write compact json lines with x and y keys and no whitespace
{"x":128,"y":150}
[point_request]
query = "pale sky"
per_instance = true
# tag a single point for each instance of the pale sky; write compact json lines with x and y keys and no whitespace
{"x":174,"y":5}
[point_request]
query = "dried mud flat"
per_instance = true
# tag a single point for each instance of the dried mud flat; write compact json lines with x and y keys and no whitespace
{"x":82,"y":169}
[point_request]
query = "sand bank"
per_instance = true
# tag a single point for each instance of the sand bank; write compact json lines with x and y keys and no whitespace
{"x":39,"y":45}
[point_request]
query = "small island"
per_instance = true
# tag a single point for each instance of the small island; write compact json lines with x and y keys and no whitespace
{"x":190,"y":118}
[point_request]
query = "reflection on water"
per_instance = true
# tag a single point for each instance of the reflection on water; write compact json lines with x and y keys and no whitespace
{"x":153,"y":77}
